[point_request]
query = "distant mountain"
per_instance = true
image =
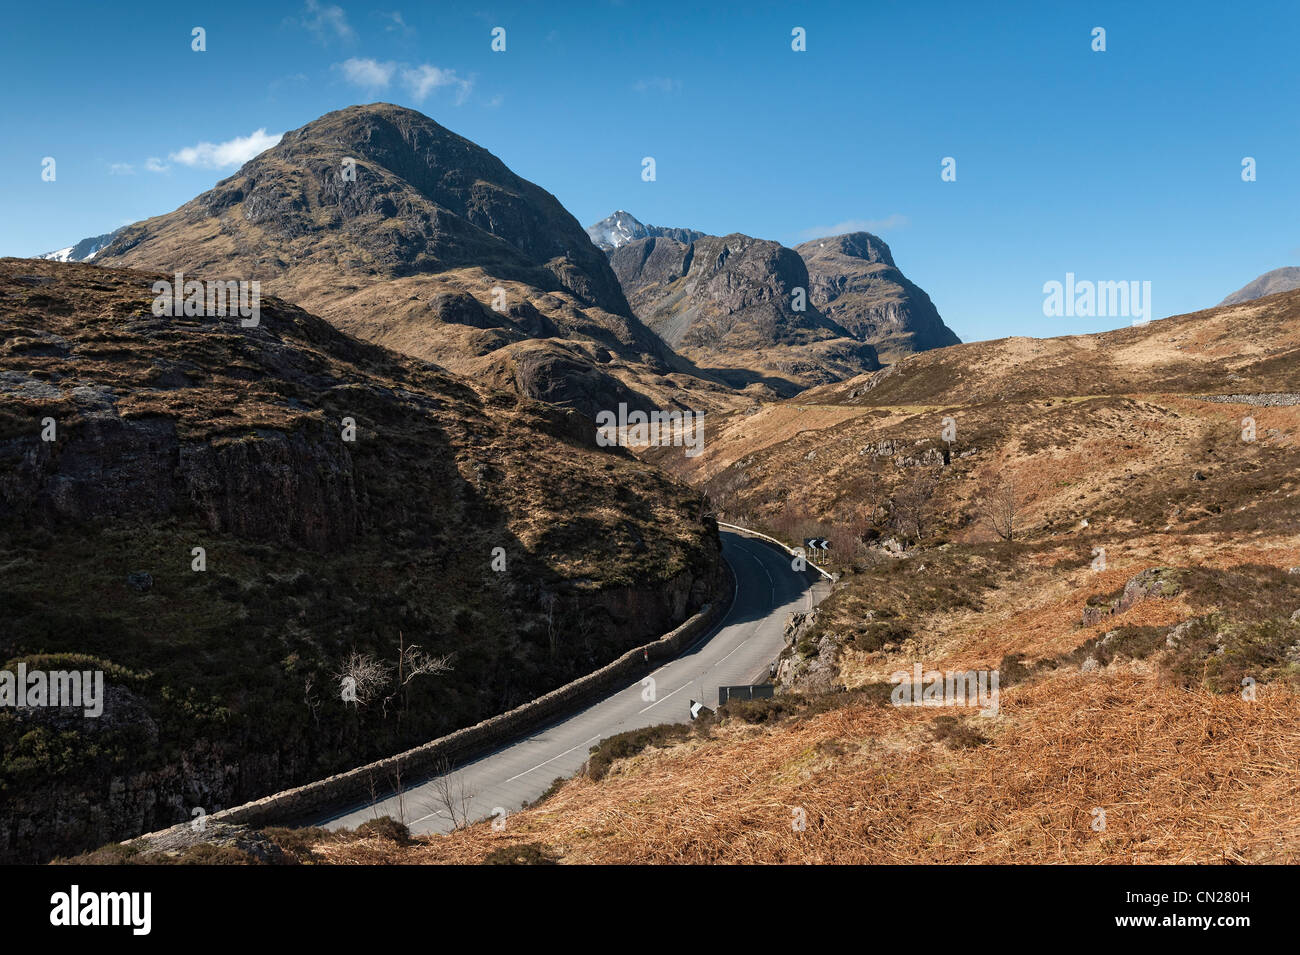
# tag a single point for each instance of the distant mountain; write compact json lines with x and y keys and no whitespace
{"x":738,"y":306}
{"x":856,"y":283}
{"x":1270,"y":283}
{"x":403,"y":233}
{"x":850,"y":280}
{"x":623,"y":227}
{"x":83,"y":251}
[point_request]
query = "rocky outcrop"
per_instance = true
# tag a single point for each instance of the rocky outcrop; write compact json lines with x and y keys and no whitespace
{"x":271,"y":485}
{"x":1151,"y":583}
{"x":736,"y":302}
{"x":856,"y":284}
{"x":808,"y":665}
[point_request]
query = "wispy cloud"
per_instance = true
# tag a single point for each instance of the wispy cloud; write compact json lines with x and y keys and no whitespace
{"x":325,"y":22}
{"x":894,"y":221}
{"x":657,"y":84}
{"x":424,"y":79}
{"x":419,"y":81}
{"x":233,"y":152}
{"x":152,"y":164}
{"x":367,"y":73}
{"x":396,"y":22}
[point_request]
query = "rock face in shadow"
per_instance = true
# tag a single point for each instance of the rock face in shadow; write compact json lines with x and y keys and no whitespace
{"x":216,"y":517}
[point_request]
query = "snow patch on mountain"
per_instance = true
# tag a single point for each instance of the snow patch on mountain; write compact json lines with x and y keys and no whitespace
{"x":616,"y":230}
{"x":83,"y":251}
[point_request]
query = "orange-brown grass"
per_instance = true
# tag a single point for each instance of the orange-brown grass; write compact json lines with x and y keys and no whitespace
{"x":1181,"y":776}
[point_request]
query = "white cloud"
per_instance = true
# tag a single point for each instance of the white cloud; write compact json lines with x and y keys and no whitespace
{"x":121,"y":169}
{"x":420,"y":81}
{"x":233,"y":152}
{"x":154,"y":164}
{"x":326,"y":21}
{"x":894,"y":221}
{"x":367,"y":73}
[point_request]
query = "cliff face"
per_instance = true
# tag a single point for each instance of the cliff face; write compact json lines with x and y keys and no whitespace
{"x":856,"y":283}
{"x":739,"y":306}
{"x":128,"y":440}
{"x":729,"y":303}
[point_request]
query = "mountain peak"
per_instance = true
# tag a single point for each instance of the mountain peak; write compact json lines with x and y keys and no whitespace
{"x":1270,"y":283}
{"x":621,"y":227}
{"x":856,"y":245}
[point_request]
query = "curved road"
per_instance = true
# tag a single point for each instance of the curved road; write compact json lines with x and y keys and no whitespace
{"x":736,"y":651}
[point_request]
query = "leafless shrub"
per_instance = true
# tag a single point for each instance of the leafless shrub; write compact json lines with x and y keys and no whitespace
{"x":912,"y":507}
{"x":362,"y":677}
{"x":450,"y":796}
{"x":1001,"y":508}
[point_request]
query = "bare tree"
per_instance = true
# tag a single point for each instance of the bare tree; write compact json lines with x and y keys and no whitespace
{"x":309,"y":697}
{"x":913,"y":504}
{"x":1001,"y":508}
{"x":362,"y":677}
{"x":413,"y":662}
{"x":552,"y":631}
{"x":450,"y":795}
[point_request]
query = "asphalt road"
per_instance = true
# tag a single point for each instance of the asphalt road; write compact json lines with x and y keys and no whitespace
{"x":736,"y":651}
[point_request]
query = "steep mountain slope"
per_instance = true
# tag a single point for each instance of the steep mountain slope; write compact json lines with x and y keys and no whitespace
{"x":1270,"y":283}
{"x":403,"y":233}
{"x":622,"y":227}
{"x":128,"y":440}
{"x":732,"y":305}
{"x":856,"y":283}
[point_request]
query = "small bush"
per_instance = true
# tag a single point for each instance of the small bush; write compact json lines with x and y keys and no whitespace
{"x":207,"y":854}
{"x":762,"y":711}
{"x":386,"y":827}
{"x":296,"y":843}
{"x":526,"y":853}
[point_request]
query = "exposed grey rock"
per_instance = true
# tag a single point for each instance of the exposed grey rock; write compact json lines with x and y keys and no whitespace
{"x":1270,"y":283}
{"x":856,"y":284}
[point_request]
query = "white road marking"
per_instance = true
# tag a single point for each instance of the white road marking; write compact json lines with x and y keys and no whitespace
{"x":552,"y":759}
{"x":662,"y":698}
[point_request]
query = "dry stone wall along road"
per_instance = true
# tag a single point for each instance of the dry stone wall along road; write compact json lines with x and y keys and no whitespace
{"x":737,"y":650}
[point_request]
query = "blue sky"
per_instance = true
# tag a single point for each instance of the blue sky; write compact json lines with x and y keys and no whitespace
{"x":1123,"y":165}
